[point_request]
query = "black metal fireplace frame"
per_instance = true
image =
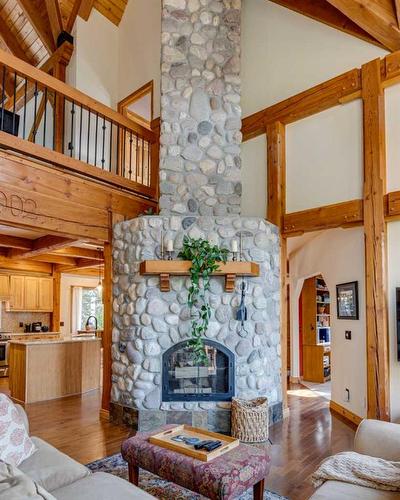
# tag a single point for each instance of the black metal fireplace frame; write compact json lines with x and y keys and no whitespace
{"x":225,"y":396}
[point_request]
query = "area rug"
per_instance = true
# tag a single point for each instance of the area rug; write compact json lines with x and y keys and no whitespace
{"x":163,"y":490}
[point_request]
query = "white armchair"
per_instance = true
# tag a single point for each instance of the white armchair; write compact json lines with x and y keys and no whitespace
{"x":376,"y":439}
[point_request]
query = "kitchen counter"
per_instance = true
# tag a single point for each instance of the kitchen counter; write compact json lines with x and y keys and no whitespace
{"x":55,"y":341}
{"x":40,"y":370}
{"x":24,"y":334}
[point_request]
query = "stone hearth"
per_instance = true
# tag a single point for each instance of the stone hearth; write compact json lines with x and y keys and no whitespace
{"x":200,"y":195}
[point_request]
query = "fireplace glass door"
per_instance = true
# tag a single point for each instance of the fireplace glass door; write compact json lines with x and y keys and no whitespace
{"x":185,"y":380}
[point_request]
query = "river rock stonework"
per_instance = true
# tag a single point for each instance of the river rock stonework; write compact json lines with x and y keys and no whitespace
{"x":200,"y":107}
{"x":147,"y":321}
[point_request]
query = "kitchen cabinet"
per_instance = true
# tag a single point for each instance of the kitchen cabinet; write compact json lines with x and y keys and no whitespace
{"x":17,"y":293}
{"x":31,"y":293}
{"x":4,"y":286}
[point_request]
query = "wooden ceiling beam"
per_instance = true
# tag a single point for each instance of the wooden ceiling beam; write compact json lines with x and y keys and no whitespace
{"x":73,"y":15}
{"x":373,"y":17}
{"x":77,"y":252}
{"x":41,"y":246}
{"x":55,"y":259}
{"x":397,"y":10}
{"x":80,"y":264}
{"x":323,"y":12}
{"x":25,"y":265}
{"x":85,"y":9}
{"x":10,"y":39}
{"x":15,"y":242}
{"x":55,"y":19}
{"x":39,"y":23}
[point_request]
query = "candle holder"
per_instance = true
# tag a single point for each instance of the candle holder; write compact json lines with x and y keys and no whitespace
{"x":170,"y":255}
{"x":235,"y":256}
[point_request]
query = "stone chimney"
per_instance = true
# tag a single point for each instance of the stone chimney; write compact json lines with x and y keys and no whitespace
{"x":200,"y":108}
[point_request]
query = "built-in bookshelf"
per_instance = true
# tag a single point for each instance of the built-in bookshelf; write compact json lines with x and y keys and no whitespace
{"x":316,"y":328}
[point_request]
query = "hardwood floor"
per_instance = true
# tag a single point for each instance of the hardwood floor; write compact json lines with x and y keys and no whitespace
{"x":298,"y":444}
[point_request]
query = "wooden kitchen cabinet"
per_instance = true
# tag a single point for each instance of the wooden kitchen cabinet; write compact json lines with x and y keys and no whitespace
{"x":46,"y":294}
{"x":4,"y":286}
{"x":31,"y":293}
{"x":17,"y":293}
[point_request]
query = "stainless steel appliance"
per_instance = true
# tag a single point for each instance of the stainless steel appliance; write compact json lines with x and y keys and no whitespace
{"x":4,"y":339}
{"x":37,"y":326}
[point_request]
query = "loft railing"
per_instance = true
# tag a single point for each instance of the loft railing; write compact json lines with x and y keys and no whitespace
{"x":42,"y":117}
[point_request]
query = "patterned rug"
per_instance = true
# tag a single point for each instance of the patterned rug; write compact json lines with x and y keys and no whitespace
{"x":163,"y":490}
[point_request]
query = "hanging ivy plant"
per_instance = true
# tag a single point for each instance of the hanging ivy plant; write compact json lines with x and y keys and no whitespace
{"x":205,"y":260}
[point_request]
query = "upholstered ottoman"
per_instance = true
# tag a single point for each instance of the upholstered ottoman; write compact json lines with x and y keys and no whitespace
{"x":225,"y":477}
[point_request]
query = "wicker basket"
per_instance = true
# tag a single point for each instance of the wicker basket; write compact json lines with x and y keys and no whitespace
{"x":250,"y":420}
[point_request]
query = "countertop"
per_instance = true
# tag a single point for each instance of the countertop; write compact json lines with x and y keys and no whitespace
{"x":19,"y":334}
{"x":60,"y":341}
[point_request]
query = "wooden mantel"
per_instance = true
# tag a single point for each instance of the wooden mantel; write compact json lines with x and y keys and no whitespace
{"x":167,"y":268}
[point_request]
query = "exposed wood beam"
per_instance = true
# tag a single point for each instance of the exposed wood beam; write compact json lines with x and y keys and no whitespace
{"x":55,"y":19}
{"x":276,"y":207}
{"x":25,"y":265}
{"x":41,"y":246}
{"x":15,"y":242}
{"x":10,"y":39}
{"x":73,"y":15}
{"x":307,"y":103}
{"x":85,"y":9}
{"x":374,"y":18}
{"x":345,"y":214}
{"x":41,"y":26}
{"x":397,"y":9}
{"x":276,"y":181}
{"x":79,"y":264}
{"x":84,"y":253}
{"x":55,"y":259}
{"x":375,"y":242}
{"x":321,"y":11}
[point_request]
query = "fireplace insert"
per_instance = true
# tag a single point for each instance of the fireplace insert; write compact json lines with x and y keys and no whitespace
{"x":184,"y":380}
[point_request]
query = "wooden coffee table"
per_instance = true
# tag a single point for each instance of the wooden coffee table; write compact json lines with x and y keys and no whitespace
{"x":225,"y":477}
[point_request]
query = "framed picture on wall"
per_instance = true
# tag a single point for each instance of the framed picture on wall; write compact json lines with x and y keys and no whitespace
{"x":347,"y":300}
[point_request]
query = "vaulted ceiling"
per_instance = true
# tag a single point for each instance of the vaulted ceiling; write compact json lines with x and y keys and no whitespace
{"x":375,"y":21}
{"x":29,"y":29}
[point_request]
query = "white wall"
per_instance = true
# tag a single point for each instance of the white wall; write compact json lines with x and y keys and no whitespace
{"x":337,"y":254}
{"x":284,"y":53}
{"x":254,"y":182}
{"x":68,"y":281}
{"x":94,"y":67}
{"x":139,"y":38}
{"x":324,"y":158}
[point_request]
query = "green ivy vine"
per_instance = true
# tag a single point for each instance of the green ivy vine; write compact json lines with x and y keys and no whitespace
{"x":205,"y":260}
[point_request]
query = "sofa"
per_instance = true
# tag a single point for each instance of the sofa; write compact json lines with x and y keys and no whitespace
{"x":376,"y":439}
{"x":65,"y":479}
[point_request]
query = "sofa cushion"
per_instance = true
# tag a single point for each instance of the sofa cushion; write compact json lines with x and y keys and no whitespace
{"x":101,"y":486}
{"x":50,"y":468}
{"x":15,"y":485}
{"x":336,"y":489}
{"x":15,"y":443}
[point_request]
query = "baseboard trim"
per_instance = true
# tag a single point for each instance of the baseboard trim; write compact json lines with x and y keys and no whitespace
{"x":347,"y":414}
{"x":104,"y":415}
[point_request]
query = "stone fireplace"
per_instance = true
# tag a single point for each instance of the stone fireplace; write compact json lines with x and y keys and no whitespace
{"x":154,"y":382}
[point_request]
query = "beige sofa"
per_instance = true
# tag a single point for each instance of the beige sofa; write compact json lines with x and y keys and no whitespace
{"x":376,"y":439}
{"x":66,"y":479}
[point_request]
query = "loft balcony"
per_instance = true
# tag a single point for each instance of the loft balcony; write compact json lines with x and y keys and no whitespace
{"x":44,"y":119}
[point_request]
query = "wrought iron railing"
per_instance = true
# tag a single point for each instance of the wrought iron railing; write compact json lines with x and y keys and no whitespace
{"x":43,"y":117}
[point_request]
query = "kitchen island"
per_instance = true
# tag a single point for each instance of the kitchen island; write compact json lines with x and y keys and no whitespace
{"x":40,"y":370}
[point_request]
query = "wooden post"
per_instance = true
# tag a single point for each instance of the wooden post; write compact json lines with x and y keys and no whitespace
{"x":276,"y":208}
{"x":375,"y":242}
{"x":108,"y":311}
{"x":60,"y":72}
{"x":55,"y":317}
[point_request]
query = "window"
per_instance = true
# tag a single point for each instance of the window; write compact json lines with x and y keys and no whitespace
{"x":86,"y":302}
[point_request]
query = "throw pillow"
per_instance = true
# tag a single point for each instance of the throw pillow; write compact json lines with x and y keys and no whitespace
{"x":15,"y":443}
